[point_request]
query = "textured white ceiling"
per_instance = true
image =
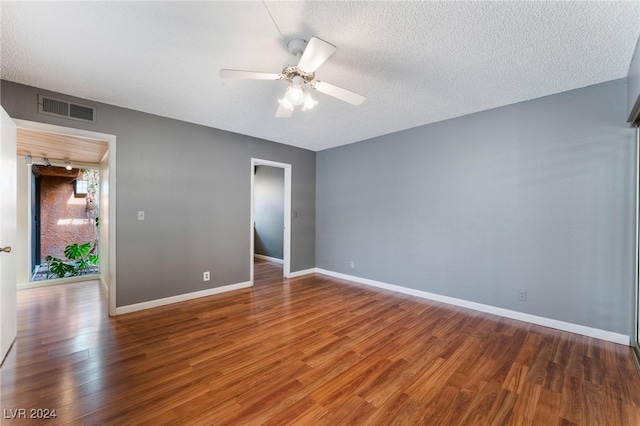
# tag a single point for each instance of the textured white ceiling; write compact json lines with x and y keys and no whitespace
{"x":416,"y":62}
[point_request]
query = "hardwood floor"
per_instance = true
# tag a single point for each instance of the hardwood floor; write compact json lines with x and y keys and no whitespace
{"x":311,"y":350}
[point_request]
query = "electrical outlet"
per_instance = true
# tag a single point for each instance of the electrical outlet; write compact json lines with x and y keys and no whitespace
{"x":522,"y":295}
{"x":140,"y":215}
{"x":206,"y":276}
{"x":352,"y":264}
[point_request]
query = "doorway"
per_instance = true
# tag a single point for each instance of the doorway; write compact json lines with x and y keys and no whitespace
{"x":65,"y":219}
{"x":280,"y":208}
{"x":84,"y":149}
{"x":268,"y":197}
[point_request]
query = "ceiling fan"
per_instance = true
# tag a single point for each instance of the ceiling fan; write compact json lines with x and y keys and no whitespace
{"x":312,"y":55}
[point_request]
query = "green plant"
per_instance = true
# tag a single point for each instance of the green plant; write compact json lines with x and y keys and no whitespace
{"x":79,"y":254}
{"x":58,"y":267}
{"x":80,"y":259}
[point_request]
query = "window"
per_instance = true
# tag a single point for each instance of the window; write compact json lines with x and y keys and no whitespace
{"x":80,"y":188}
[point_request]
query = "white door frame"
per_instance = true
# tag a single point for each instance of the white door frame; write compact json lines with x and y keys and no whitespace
{"x":286,"y":249}
{"x":108,"y":271}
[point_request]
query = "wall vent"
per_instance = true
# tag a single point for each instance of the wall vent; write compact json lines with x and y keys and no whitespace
{"x":59,"y":108}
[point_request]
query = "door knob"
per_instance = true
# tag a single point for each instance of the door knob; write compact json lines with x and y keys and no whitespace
{"x":5,"y":249}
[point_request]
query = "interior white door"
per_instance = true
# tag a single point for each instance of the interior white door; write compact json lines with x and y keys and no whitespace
{"x":8,"y":301}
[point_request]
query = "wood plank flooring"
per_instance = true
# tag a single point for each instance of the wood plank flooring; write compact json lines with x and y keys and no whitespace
{"x":311,"y":350}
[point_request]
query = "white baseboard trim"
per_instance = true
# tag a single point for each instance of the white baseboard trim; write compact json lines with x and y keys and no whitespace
{"x":303,"y":272}
{"x":180,"y":298}
{"x":507,"y":313}
{"x":270,"y":259}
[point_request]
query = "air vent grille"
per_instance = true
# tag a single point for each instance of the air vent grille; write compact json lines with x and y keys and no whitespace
{"x":54,"y":106}
{"x":80,"y":112}
{"x":71,"y":110}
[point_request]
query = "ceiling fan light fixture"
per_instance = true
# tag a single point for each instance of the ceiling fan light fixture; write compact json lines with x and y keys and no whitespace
{"x":309,"y":102}
{"x":285,"y":103}
{"x":296,"y":94}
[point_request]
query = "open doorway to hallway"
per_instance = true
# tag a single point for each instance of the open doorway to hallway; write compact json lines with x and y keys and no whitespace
{"x":268,"y":211}
{"x":85,"y":150}
{"x":64,"y":222}
{"x":271,"y":214}
{"x":58,"y":199}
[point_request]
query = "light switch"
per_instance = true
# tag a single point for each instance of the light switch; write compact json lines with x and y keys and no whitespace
{"x":141,"y":215}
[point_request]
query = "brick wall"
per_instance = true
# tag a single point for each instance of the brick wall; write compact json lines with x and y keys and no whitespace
{"x":63,"y":217}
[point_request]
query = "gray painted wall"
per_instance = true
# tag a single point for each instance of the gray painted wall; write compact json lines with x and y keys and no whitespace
{"x":633,"y":80}
{"x":193,"y":182}
{"x":268,"y":189}
{"x":537,"y":196}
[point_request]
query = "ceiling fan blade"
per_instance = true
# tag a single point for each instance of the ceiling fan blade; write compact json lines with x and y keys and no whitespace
{"x":316,"y":52}
{"x":338,"y":92}
{"x":283,"y":112}
{"x":248,"y":75}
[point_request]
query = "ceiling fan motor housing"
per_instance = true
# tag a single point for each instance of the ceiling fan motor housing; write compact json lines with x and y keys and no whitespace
{"x":289,"y":73}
